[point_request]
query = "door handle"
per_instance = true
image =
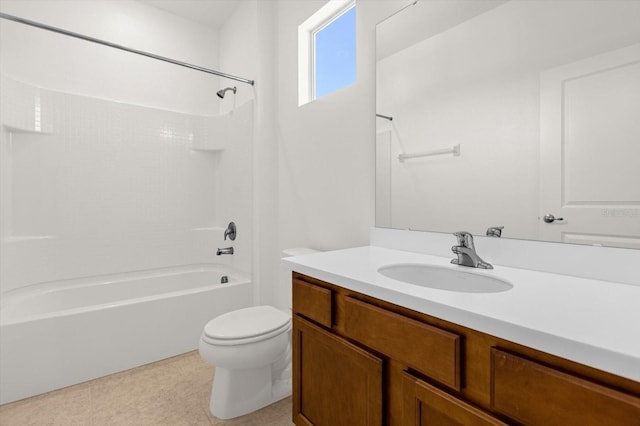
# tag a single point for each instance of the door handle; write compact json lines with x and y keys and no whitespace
{"x":549,"y":218}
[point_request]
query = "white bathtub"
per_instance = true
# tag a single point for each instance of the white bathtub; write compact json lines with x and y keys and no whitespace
{"x":58,"y":334}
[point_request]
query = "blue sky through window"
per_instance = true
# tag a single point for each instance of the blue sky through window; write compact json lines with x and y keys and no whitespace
{"x":335,"y":54}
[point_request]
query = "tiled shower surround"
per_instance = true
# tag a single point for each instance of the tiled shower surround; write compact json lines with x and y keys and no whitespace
{"x":93,"y":186}
{"x":95,"y":193}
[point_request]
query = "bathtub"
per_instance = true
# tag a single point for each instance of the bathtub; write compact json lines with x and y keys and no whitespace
{"x":62,"y":333}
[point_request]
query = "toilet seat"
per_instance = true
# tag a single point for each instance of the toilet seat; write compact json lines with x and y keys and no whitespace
{"x":245,"y":326}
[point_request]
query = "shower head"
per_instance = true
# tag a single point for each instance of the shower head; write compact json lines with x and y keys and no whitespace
{"x":223,"y":91}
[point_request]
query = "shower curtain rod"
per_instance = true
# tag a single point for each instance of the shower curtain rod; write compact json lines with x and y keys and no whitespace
{"x":120,"y":47}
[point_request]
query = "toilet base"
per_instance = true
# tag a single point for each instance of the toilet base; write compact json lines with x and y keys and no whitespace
{"x":238,"y":392}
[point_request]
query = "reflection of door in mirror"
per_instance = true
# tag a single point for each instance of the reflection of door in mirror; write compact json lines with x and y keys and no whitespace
{"x":590,"y":144}
{"x":533,"y":92}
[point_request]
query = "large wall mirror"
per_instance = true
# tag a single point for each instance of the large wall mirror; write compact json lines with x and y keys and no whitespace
{"x":499,"y":113}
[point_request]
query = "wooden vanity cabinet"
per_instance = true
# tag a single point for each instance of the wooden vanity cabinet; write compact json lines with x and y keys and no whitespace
{"x":358,"y":360}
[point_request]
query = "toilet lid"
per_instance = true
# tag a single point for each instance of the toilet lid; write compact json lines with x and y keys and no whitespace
{"x":247,"y":323}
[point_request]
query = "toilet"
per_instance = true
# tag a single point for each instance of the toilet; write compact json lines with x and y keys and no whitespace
{"x":251,"y":350}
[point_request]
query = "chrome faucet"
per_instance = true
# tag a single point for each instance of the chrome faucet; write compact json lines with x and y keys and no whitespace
{"x":466,"y":252}
{"x":226,"y":250}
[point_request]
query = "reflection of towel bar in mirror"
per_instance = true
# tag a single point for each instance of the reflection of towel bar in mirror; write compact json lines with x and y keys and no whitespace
{"x":455,"y":150}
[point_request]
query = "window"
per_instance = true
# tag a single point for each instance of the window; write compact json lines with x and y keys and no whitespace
{"x":327,"y":50}
{"x":334,"y":49}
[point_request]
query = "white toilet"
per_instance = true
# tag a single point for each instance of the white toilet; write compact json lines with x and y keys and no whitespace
{"x":251,"y":350}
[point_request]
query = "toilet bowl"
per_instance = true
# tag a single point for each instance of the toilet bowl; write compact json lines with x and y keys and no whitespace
{"x":251,"y":350}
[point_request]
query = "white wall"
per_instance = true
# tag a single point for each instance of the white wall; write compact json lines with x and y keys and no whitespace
{"x":313,"y":166}
{"x":326,"y":147}
{"x":77,"y":66}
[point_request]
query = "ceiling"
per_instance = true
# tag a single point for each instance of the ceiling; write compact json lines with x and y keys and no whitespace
{"x":212,"y":13}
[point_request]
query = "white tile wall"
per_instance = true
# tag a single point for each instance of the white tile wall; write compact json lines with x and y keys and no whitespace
{"x":113,"y":187}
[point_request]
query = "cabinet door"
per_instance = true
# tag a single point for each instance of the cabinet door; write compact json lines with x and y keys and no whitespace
{"x":427,"y":405}
{"x":335,"y":382}
{"x":535,"y":394}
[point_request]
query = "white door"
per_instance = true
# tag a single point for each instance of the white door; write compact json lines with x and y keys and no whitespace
{"x":590,"y":150}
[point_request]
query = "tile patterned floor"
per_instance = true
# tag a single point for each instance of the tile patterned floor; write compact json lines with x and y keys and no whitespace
{"x":172,"y":392}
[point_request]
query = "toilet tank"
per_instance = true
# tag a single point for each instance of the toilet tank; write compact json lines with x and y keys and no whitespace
{"x":283,"y":293}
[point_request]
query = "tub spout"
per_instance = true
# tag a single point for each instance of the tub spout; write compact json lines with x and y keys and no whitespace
{"x":226,"y":250}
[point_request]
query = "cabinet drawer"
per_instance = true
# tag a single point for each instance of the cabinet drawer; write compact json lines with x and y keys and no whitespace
{"x":534,"y":394}
{"x":429,"y":350}
{"x":312,"y":301}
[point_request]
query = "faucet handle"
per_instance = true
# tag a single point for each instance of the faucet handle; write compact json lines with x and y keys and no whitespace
{"x":230,"y":231}
{"x":465,"y":238}
{"x":495,"y":231}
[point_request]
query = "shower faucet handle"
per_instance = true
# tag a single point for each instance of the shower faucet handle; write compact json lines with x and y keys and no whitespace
{"x":230,"y":231}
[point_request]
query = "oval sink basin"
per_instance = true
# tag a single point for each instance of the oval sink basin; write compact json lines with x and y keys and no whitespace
{"x":443,"y":278}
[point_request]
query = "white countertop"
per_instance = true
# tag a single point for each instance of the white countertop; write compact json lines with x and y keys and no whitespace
{"x":592,"y":322}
